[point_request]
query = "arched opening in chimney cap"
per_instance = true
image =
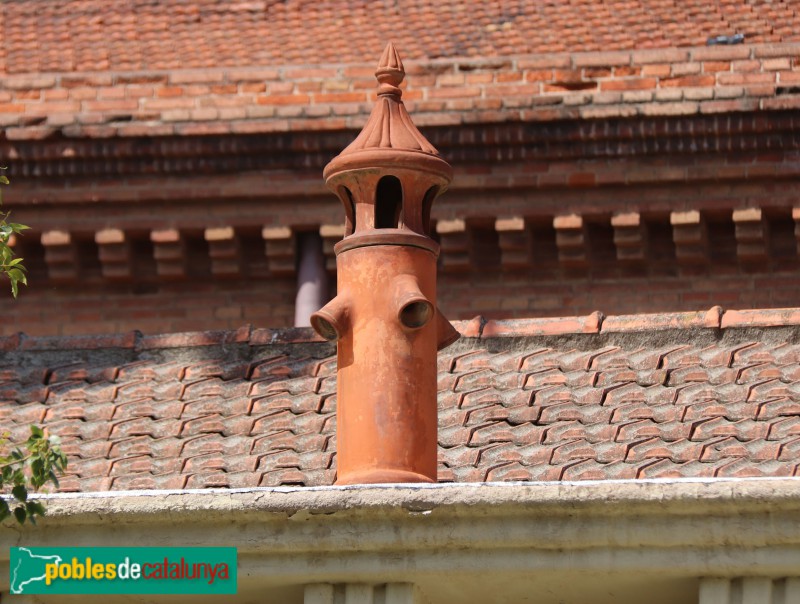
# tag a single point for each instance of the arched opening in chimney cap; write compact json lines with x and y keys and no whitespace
{"x":388,"y":203}
{"x":349,"y":210}
{"x":427,"y":205}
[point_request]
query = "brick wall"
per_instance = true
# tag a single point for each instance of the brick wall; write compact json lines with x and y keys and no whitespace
{"x":543,"y":87}
{"x":190,"y":306}
{"x":626,"y":181}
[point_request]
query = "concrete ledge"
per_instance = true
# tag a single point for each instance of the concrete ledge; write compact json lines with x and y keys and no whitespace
{"x":676,"y":530}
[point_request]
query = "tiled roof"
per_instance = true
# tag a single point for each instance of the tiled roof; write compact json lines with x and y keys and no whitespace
{"x":692,"y":394}
{"x":96,"y":35}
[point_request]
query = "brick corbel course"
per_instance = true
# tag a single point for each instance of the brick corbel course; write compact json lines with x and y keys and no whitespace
{"x":514,"y":240}
{"x":454,"y":242}
{"x":169,"y":252}
{"x":630,"y":237}
{"x":114,"y":253}
{"x":60,"y":256}
{"x":279,"y":247}
{"x":224,"y":250}
{"x":752,"y":231}
{"x":331,"y":234}
{"x":690,"y":235}
{"x":572,"y":241}
{"x":796,"y":218}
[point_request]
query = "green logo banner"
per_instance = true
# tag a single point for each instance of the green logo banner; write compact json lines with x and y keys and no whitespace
{"x":123,"y":570}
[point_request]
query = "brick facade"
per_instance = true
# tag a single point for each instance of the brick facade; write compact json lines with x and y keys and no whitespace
{"x":168,"y":199}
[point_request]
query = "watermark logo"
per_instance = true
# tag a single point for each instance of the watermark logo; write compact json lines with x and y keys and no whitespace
{"x":123,"y":570}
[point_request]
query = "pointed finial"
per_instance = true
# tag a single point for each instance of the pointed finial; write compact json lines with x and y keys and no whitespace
{"x":390,"y":72}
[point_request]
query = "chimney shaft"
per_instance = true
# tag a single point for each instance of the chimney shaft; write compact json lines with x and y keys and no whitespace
{"x":384,"y":316}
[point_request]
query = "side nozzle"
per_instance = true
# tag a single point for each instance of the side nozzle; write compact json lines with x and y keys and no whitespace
{"x":413,"y":308}
{"x":332,"y":320}
{"x":446,"y":334}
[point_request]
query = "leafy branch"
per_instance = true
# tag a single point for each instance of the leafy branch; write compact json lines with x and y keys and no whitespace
{"x":10,"y":266}
{"x":28,"y":468}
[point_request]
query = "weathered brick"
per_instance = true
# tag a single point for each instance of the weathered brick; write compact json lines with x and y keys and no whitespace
{"x":111,"y":105}
{"x":685,"y":108}
{"x":12,"y":108}
{"x":545,"y":61}
{"x":659,"y":55}
{"x":657,"y":69}
{"x":450,"y":79}
{"x":596,"y":72}
{"x":252,"y":75}
{"x":56,"y":94}
{"x":728,"y":92}
{"x":786,"y":102}
{"x":341,"y":97}
{"x":46,"y":108}
{"x":301,"y":73}
{"x":92,"y":81}
{"x":474,"y":91}
{"x":720,"y":53}
{"x":627,"y":71}
{"x":629,"y":84}
{"x":716,"y":66}
{"x":746,"y":65}
{"x":668,"y":94}
{"x":478,"y":78}
{"x":203,"y":114}
{"x":509,"y":77}
{"x":698,"y":94}
{"x":684,"y":69}
{"x":288,"y":99}
{"x":737,"y":79}
{"x":169,"y":91}
{"x":196,"y":77}
{"x":252,"y":87}
{"x":26,"y":82}
{"x":601,"y":59}
{"x":777,"y":50}
{"x":775,"y":64}
{"x":729,"y":106}
{"x":168,"y":103}
{"x":82,"y":93}
{"x":28,"y":95}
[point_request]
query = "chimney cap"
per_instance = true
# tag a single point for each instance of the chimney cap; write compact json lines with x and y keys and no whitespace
{"x":389,"y":138}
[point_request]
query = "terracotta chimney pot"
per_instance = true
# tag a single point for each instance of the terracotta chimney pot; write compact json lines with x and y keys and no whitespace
{"x":385,"y":317}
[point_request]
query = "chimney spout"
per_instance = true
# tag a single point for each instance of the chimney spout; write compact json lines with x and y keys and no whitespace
{"x":385,"y":319}
{"x":413,"y":308}
{"x":332,"y":320}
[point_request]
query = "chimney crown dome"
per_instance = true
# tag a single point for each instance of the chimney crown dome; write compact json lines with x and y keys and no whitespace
{"x":388,"y":177}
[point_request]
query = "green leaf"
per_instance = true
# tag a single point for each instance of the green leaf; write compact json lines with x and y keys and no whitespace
{"x":20,"y":492}
{"x":37,"y":432}
{"x":34,"y":508}
{"x":4,"y":509}
{"x":4,"y":180}
{"x":19,"y":514}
